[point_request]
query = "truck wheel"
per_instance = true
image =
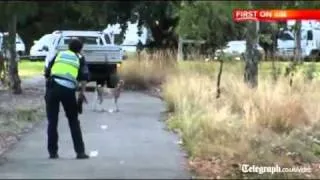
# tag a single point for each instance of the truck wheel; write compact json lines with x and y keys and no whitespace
{"x":113,"y":80}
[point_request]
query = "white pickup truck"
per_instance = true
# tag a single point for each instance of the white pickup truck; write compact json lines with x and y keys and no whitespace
{"x":103,"y":59}
{"x":310,"y":40}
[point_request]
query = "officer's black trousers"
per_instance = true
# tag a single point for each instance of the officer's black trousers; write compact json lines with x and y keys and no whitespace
{"x":55,"y":94}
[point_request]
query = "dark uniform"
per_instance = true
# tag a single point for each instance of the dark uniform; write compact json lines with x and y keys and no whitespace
{"x":62,"y":74}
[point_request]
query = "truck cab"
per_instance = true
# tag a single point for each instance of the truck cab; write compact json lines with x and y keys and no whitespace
{"x":103,"y":59}
{"x":41,"y":47}
{"x":310,"y":41}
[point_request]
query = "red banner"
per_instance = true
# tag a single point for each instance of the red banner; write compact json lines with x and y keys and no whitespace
{"x":275,"y":15}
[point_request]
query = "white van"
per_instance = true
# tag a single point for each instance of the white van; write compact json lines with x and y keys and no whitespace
{"x":310,"y":40}
{"x":40,"y":48}
{"x":20,"y":46}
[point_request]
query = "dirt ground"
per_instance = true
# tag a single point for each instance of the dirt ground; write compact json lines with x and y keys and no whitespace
{"x":19,"y":113}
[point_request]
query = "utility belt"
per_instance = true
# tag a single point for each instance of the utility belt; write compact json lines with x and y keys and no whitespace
{"x":50,"y":81}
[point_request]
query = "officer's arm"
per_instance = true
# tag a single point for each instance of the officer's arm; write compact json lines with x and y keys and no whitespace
{"x":47,"y":70}
{"x":83,"y":74}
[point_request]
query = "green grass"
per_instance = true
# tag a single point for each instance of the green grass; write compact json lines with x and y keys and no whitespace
{"x":29,"y":69}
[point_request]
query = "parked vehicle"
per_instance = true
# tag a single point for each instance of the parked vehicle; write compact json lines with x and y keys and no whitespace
{"x":20,"y":46}
{"x":40,"y":48}
{"x":131,"y":37}
{"x":103,"y":58}
{"x":235,"y":50}
{"x":310,"y":40}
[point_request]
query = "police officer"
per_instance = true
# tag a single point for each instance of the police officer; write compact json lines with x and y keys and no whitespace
{"x":62,"y":73}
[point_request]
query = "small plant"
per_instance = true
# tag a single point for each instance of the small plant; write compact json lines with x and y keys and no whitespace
{"x":311,"y":72}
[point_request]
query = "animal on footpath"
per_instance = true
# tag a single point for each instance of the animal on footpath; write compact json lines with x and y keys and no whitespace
{"x":114,"y":92}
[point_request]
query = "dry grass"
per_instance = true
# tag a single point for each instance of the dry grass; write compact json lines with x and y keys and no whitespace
{"x":259,"y":126}
{"x":272,"y":124}
{"x":151,"y":70}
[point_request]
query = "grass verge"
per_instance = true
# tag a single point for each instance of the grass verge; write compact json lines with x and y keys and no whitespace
{"x":18,"y":114}
{"x":29,"y":69}
{"x":274,"y":124}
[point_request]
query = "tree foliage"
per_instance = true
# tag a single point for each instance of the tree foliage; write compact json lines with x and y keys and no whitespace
{"x":210,"y":21}
{"x":161,"y":18}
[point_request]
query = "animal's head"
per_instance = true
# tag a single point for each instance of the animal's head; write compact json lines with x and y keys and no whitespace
{"x":121,"y":83}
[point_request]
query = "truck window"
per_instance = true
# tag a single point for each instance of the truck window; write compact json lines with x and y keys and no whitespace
{"x":107,"y":38}
{"x":54,"y":39}
{"x":285,"y":36}
{"x":309,"y":35}
{"x":87,"y":40}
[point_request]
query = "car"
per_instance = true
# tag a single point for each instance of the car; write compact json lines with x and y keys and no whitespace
{"x":235,"y":50}
{"x":103,"y":59}
{"x":20,"y":46}
{"x":40,"y":48}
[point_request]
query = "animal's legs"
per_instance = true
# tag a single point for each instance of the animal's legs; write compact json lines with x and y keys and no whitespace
{"x":100,"y":93}
{"x":116,"y":94}
{"x":97,"y":105}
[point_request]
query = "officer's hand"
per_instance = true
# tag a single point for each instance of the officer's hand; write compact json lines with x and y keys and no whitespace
{"x":48,"y":82}
{"x":82,"y":97}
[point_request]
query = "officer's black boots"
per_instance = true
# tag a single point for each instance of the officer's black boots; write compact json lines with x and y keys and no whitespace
{"x":54,"y":156}
{"x":79,"y":156}
{"x":82,"y":156}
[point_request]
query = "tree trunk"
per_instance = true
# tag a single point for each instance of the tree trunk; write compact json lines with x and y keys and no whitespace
{"x":273,"y":51}
{"x":14,"y":79}
{"x":274,"y":36}
{"x":297,"y":54}
{"x":2,"y":68}
{"x":298,"y":49}
{"x":251,"y":54}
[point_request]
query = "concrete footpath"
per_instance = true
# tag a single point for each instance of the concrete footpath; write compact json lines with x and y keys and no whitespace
{"x":132,"y":143}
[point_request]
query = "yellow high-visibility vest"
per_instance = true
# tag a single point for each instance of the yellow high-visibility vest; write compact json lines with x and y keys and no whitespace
{"x":66,"y":65}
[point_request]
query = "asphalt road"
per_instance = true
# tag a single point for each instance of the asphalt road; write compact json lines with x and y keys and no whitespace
{"x":132,"y":143}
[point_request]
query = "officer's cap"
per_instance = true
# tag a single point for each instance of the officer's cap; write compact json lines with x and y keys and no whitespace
{"x":75,"y":45}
